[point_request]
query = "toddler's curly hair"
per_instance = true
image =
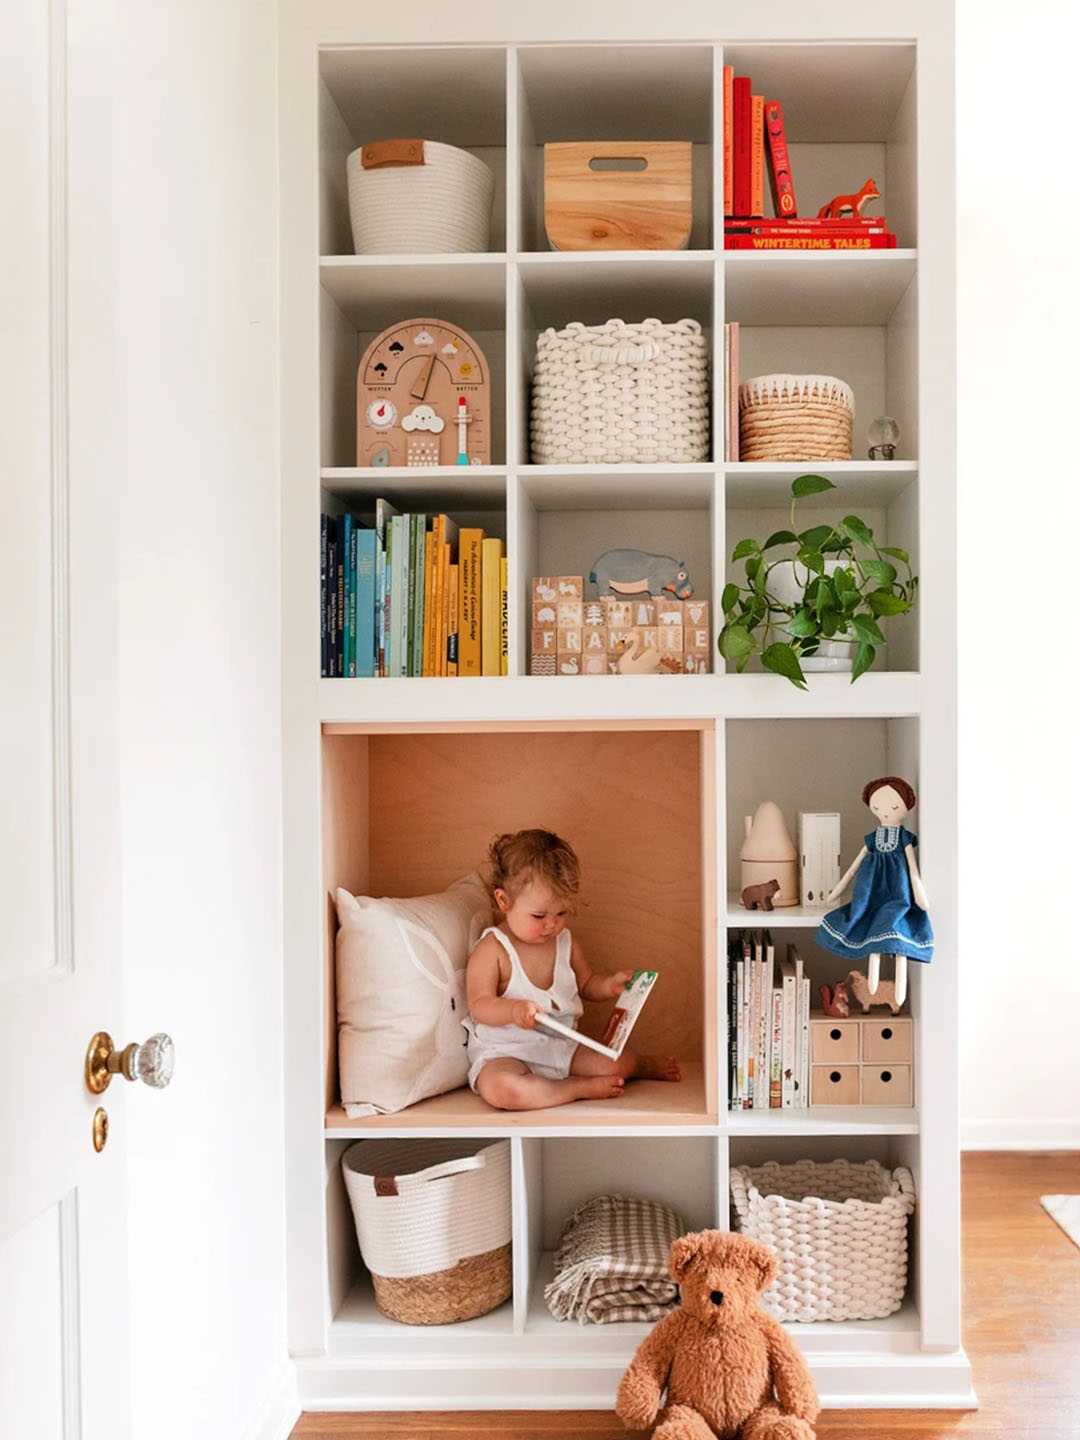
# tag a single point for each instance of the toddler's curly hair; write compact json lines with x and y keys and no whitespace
{"x":515,"y":859}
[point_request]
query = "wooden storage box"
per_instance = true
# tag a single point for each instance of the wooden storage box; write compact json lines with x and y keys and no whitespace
{"x":861,"y":1061}
{"x":618,"y":195}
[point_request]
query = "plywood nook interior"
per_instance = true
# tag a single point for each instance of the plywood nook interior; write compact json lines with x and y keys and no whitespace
{"x":397,"y":786}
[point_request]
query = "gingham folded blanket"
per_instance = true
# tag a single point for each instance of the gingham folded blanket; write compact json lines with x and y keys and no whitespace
{"x":612,"y":1262}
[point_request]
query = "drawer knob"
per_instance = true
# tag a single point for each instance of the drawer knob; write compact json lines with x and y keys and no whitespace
{"x":835,"y":1077}
{"x":886,"y":1033}
{"x":835,"y":1034}
{"x":886,"y":1075}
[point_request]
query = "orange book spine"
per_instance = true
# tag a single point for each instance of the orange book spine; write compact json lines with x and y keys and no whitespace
{"x":729,"y":140}
{"x":493,"y":551}
{"x":757,"y":155}
{"x":428,"y":667}
{"x":443,"y":585}
{"x":469,"y":613}
{"x":783,"y":186}
{"x":453,"y":575}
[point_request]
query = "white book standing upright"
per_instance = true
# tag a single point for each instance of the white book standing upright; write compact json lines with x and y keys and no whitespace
{"x":396,"y":785}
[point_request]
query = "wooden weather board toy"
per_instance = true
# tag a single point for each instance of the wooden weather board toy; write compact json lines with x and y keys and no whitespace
{"x":423,"y":397}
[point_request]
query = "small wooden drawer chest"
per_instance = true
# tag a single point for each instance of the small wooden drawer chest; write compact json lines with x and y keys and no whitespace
{"x":862,"y":1060}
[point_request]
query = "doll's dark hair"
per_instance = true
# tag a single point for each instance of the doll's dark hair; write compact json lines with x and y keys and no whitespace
{"x":902,"y":788}
{"x":515,"y":859}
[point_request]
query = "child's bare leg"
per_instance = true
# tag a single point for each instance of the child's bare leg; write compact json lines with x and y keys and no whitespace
{"x":510,"y":1085}
{"x":630,"y":1066}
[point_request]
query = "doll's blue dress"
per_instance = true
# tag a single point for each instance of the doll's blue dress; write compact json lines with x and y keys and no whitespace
{"x":882,"y":916}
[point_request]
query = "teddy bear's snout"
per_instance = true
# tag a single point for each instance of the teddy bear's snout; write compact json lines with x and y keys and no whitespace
{"x":717,"y":1297}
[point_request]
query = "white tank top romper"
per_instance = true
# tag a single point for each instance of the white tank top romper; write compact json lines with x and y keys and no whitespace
{"x":545,"y":1053}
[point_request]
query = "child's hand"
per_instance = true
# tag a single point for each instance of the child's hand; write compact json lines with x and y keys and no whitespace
{"x":618,"y":982}
{"x":524,"y":1013}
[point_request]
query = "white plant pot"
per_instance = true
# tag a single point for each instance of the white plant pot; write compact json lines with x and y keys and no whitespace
{"x":787,"y":581}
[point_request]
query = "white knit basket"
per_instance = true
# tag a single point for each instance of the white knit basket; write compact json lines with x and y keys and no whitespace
{"x":440,"y":207}
{"x":452,"y":1201}
{"x":838,"y":1230}
{"x":621,"y":392}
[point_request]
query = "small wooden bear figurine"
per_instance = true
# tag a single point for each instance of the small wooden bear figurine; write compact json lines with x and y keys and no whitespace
{"x":755,"y":895}
{"x":727,"y":1366}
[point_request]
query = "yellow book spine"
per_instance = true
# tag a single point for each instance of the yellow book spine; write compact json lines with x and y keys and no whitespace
{"x":492,"y":553}
{"x":429,"y":578}
{"x":757,"y":154}
{"x":469,"y":612}
{"x":440,"y":601}
{"x":504,"y":620}
{"x":453,"y":582}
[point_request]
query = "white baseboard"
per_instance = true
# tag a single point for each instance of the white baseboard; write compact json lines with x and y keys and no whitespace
{"x":1020,"y":1134}
{"x":279,"y":1411}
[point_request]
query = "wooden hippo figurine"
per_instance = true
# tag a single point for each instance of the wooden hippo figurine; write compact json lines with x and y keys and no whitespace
{"x":755,"y":895}
{"x":885,"y":994}
{"x":629,"y":572}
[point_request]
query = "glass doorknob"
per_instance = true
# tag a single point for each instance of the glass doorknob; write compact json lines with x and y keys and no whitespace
{"x":151,"y":1062}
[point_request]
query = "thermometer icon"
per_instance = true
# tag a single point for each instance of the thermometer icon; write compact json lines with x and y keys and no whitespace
{"x":462,"y":422}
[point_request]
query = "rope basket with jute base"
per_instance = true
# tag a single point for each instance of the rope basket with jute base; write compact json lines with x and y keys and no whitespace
{"x":839,"y":1231}
{"x":795,"y":417}
{"x":433,"y":1222}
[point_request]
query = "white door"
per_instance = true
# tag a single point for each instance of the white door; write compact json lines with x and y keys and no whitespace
{"x":63,"y":1283}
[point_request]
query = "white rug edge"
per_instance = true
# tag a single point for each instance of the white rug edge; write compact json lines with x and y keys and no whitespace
{"x":1065,"y":1209}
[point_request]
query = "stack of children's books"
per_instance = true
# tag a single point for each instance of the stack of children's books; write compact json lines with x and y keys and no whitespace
{"x":409,"y":595}
{"x":768,"y":1025}
{"x":755,"y":146}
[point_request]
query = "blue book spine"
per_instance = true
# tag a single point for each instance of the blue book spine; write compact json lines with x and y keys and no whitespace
{"x":365,"y":603}
{"x":323,"y":596}
{"x":351,"y":667}
{"x":332,"y":595}
{"x":380,"y":581}
{"x":339,"y":627}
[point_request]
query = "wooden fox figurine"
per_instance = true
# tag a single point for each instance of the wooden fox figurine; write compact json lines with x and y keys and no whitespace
{"x":839,"y":203}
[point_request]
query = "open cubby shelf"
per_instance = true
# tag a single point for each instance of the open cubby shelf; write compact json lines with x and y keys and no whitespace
{"x":396,"y":786}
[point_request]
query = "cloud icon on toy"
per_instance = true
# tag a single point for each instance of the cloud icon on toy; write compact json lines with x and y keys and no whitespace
{"x":423,"y":418}
{"x":424,"y":339}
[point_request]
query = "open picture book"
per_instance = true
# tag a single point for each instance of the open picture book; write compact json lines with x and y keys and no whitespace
{"x":620,"y":1022}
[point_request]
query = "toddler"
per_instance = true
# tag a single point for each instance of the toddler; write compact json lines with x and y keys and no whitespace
{"x":527,"y":964}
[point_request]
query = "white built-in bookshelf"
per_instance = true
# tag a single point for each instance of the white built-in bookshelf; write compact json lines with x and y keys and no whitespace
{"x":395,"y":786}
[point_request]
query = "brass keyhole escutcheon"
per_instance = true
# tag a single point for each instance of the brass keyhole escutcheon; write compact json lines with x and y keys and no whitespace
{"x":101,"y":1129}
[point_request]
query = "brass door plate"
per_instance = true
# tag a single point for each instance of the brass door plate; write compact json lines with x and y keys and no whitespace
{"x":101,"y":1129}
{"x":98,"y":1074}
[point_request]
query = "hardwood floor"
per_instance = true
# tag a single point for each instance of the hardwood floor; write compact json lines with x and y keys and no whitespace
{"x":1021,"y":1332}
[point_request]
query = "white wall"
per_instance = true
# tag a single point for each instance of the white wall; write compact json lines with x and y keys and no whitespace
{"x":194,"y":194}
{"x":1019,"y":324}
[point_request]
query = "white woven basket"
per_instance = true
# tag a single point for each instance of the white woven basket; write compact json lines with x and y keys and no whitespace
{"x":441,"y":206}
{"x":621,"y":392}
{"x":838,"y":1230}
{"x":795,"y":417}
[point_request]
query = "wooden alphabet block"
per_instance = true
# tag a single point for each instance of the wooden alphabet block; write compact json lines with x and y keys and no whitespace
{"x":647,"y":637}
{"x":644,"y":612}
{"x":620,"y":614}
{"x":594,"y":664}
{"x":670,"y":639}
{"x":696,"y":663}
{"x":669,"y":612}
{"x":541,"y":664}
{"x":696,"y":614}
{"x":543,"y":641}
{"x":569,"y":664}
{"x":544,"y":614}
{"x":594,"y":642}
{"x":569,"y":642}
{"x":545,"y":588}
{"x":618,"y":638}
{"x":697,"y":640}
{"x":570,"y":612}
{"x":571,"y":587}
{"x":594,"y":615}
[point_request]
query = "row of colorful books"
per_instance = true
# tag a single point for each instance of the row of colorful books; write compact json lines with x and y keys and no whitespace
{"x":768,"y":1025}
{"x":411,"y":595}
{"x":755,"y":146}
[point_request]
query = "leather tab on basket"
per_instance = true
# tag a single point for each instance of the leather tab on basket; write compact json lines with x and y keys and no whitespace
{"x":385,"y":1185}
{"x":393,"y":152}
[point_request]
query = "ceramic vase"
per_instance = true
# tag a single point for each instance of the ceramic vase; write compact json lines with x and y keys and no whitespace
{"x":788,"y":581}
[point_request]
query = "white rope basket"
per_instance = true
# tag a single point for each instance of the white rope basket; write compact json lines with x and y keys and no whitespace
{"x":442,"y":206}
{"x":839,"y":1233}
{"x":621,"y":392}
{"x":795,"y":417}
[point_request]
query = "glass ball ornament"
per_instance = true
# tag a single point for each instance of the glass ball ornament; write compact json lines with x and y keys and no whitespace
{"x":884,"y":436}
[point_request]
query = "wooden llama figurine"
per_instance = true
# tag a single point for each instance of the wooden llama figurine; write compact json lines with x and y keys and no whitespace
{"x":839,"y":203}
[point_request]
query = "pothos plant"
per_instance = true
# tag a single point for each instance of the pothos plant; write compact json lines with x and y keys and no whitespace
{"x":843,"y":602}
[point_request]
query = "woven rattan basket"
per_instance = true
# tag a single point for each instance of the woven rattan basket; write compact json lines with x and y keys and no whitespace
{"x":795,"y":417}
{"x":433,"y":1221}
{"x":603,"y":394}
{"x":839,"y":1231}
{"x":418,"y":197}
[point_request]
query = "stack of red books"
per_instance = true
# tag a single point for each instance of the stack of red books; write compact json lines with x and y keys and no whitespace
{"x":755,"y":145}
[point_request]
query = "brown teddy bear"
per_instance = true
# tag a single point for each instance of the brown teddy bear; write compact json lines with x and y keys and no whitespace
{"x":724,"y":1362}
